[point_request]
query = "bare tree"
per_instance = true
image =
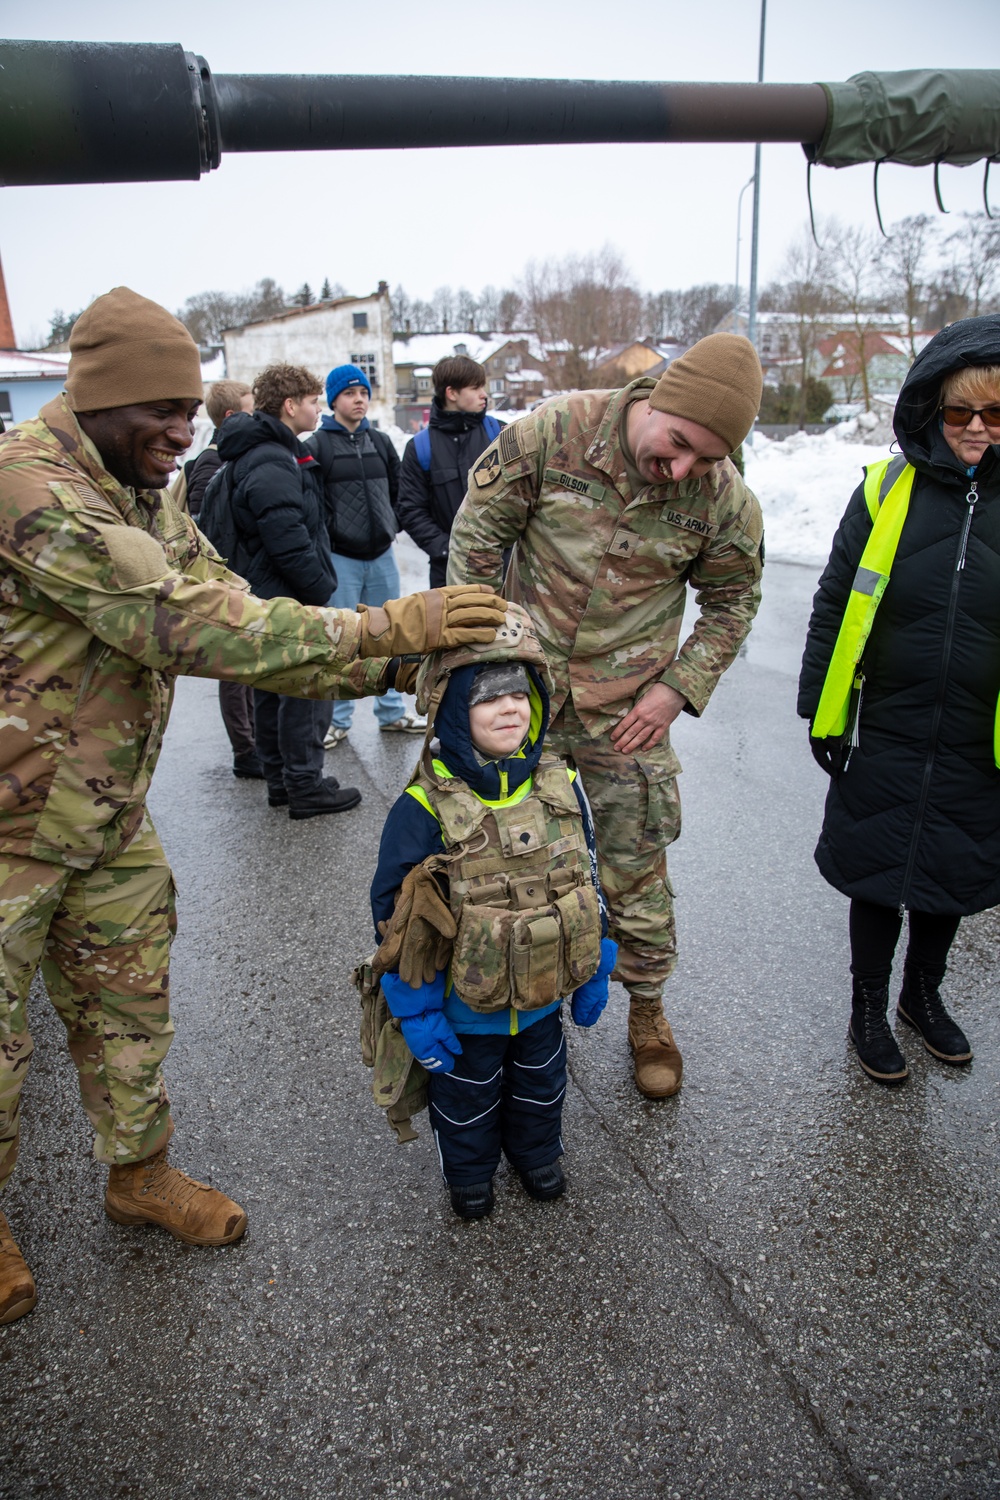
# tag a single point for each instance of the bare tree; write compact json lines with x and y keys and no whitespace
{"x":581,"y":305}
{"x":903,"y":264}
{"x":690,"y":314}
{"x":510,"y":311}
{"x":804,"y":293}
{"x":466,"y":309}
{"x":443,"y":303}
{"x":975,"y":264}
{"x":206,"y":314}
{"x":853,"y":261}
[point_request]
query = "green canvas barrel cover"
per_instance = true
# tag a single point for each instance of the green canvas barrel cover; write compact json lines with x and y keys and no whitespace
{"x":917,"y":117}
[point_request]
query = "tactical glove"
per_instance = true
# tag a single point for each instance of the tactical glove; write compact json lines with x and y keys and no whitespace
{"x":828,"y":754}
{"x":419,"y":935}
{"x":431,"y":1040}
{"x":590,"y":998}
{"x":404,"y":1002}
{"x":456,"y":616}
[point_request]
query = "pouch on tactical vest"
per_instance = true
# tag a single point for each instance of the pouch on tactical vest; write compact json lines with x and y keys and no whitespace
{"x":399,"y":1084}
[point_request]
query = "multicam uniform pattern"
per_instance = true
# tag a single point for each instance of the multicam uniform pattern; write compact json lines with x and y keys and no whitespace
{"x":106,"y":596}
{"x":604,"y":574}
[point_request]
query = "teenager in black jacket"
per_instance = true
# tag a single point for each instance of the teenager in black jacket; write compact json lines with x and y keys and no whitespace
{"x":913,"y":812}
{"x":360,"y":476}
{"x":430,"y":493}
{"x":283,"y":551}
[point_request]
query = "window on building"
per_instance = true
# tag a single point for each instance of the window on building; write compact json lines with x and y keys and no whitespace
{"x":513,"y":362}
{"x":368,"y":363}
{"x":496,"y":387}
{"x":423,"y":383}
{"x":6,"y":415}
{"x":360,"y":320}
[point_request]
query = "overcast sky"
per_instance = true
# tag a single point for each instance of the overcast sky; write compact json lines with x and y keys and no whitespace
{"x":473,"y":216}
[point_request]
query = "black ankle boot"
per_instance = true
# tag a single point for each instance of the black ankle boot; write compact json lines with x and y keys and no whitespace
{"x":543,"y":1183}
{"x":327,"y":796}
{"x":921,"y":1007}
{"x":869,"y":1031}
{"x":472,"y":1200}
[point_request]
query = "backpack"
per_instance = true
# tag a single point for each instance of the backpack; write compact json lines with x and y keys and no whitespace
{"x":216,"y":518}
{"x":422,"y":441}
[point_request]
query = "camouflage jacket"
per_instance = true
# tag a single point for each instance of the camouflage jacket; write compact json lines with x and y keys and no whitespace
{"x":106,"y":596}
{"x":602,"y":575}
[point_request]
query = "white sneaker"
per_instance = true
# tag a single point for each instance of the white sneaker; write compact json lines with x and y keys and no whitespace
{"x":408,"y":724}
{"x":334,"y":736}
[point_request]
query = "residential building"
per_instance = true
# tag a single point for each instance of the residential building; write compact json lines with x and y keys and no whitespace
{"x":27,"y":381}
{"x":344,"y":330}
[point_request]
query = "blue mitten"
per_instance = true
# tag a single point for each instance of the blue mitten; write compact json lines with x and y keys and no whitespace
{"x":592,"y":996}
{"x":431,"y":1040}
{"x":403,"y":1000}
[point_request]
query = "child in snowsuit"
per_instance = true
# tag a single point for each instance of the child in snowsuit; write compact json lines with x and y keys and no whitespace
{"x":509,"y":837}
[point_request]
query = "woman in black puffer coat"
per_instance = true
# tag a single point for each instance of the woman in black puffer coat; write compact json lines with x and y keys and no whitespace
{"x":912,"y":817}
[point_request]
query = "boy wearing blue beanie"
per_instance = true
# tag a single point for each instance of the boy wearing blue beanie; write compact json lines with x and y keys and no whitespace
{"x":360,"y":470}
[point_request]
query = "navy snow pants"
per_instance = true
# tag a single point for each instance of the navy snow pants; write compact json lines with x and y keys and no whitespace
{"x":505,"y":1094}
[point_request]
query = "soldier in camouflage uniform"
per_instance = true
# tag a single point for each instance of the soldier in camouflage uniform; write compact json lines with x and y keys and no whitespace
{"x":617,"y":501}
{"x":107,"y":594}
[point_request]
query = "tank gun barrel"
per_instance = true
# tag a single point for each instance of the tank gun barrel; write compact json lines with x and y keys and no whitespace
{"x":74,"y":112}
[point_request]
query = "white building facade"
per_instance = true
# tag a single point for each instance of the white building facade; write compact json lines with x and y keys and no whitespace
{"x":345,"y":331}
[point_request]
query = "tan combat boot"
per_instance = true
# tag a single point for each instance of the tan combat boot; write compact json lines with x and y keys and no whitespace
{"x":17,"y":1285}
{"x":151,"y":1192}
{"x":657,"y":1062}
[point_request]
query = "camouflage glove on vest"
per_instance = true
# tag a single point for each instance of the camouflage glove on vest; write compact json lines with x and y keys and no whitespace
{"x":456,"y":616}
{"x":418,"y":937}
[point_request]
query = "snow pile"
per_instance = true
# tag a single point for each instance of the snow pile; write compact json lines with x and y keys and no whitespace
{"x":804,"y":483}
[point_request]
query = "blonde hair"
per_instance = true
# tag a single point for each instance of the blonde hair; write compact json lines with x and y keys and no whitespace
{"x":224,"y":396}
{"x":979,"y":383}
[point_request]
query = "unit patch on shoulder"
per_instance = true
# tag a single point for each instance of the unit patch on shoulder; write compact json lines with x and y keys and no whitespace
{"x":487,"y":469}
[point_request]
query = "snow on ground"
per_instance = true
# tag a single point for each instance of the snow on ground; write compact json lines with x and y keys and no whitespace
{"x":803,"y":485}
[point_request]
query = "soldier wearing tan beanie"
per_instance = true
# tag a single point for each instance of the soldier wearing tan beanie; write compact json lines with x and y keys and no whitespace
{"x":717,"y":383}
{"x":619,"y":502}
{"x":126,"y":349}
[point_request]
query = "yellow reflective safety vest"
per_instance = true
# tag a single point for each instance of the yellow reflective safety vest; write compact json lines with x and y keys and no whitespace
{"x":520,"y":887}
{"x":888,"y":487}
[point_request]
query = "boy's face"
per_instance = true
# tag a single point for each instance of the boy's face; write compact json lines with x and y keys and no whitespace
{"x":499,"y":725}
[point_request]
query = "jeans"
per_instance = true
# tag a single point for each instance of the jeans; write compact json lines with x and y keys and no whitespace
{"x":366,"y":583}
{"x":290,"y":735}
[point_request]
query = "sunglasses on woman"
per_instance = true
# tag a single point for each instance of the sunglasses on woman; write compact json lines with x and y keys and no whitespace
{"x":961,"y":416}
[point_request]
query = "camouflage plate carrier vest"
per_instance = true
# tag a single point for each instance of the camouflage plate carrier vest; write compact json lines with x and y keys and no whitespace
{"x":529,"y":922}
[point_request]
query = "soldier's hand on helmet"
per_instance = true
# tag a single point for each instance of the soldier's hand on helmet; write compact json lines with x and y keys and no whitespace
{"x":828,"y":754}
{"x":431,"y":1040}
{"x":590,"y":998}
{"x":459,"y":615}
{"x":419,"y":935}
{"x":648,"y":720}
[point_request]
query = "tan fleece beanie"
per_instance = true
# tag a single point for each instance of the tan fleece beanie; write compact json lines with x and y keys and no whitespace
{"x":125,"y":349}
{"x":717,"y":384}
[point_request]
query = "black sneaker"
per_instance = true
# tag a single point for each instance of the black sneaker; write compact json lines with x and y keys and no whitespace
{"x":869,"y":1030}
{"x":248,"y":766}
{"x":328,"y":796}
{"x":543,"y":1183}
{"x":472,"y":1200}
{"x":921,"y":1007}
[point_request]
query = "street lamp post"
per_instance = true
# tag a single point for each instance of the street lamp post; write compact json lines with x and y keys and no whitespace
{"x":739,"y":232}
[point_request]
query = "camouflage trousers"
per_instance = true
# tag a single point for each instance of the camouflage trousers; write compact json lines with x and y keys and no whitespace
{"x":637,"y":813}
{"x":102,"y":937}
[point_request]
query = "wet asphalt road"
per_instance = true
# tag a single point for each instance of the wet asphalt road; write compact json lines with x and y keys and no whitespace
{"x":782,"y":1282}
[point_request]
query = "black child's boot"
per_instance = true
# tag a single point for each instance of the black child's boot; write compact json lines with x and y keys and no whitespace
{"x":921,"y":1007}
{"x":870,"y":1033}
